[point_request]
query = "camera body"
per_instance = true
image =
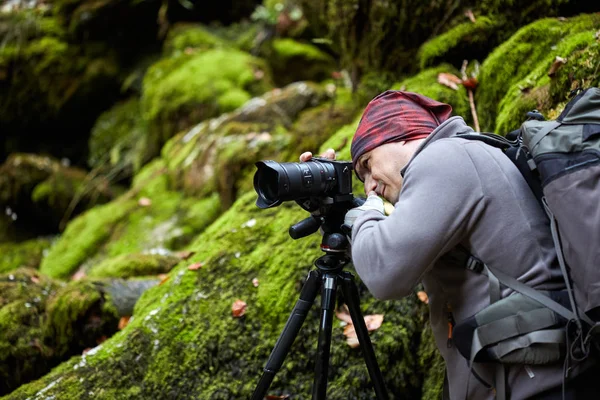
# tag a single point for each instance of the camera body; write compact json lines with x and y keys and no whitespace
{"x":311,"y":184}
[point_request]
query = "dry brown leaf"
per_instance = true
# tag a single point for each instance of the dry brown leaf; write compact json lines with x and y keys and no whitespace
{"x":144,"y":202}
{"x":195,"y":266}
{"x":374,"y":321}
{"x":238,"y":308}
{"x":450,"y":80}
{"x":123,"y":322}
{"x":423,"y":296}
{"x":282,"y":397}
{"x":558,"y":62}
{"x":35,"y":279}
{"x":353,"y":342}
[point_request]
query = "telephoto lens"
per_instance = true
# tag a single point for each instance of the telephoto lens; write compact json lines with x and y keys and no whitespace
{"x":278,"y":182}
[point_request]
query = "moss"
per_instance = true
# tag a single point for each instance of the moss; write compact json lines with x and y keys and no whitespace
{"x":182,"y":91}
{"x":519,"y":56}
{"x":77,"y":316}
{"x":24,"y":355}
{"x":426,"y":84}
{"x":548,"y":94}
{"x":129,"y":225}
{"x":45,"y":72}
{"x":294,"y":61}
{"x":24,"y":254}
{"x":432,"y":364}
{"x":188,"y":37}
{"x":130,"y":265}
{"x":465,"y":39}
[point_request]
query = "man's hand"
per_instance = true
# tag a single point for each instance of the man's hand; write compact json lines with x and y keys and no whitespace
{"x":373,"y":202}
{"x":329,"y":153}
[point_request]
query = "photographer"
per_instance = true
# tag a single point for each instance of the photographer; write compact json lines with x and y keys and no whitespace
{"x":450,"y":193}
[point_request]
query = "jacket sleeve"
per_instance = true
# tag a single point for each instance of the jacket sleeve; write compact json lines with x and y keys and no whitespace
{"x":440,"y":198}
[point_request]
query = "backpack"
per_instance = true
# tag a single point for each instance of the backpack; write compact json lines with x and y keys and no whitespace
{"x":560,"y":160}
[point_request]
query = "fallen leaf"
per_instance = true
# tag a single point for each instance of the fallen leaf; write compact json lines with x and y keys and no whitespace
{"x":255,"y":282}
{"x":101,"y":339}
{"x":35,"y":279}
{"x":184,"y":255}
{"x":144,"y":202}
{"x":373,"y":322}
{"x":423,"y":296}
{"x":558,"y":62}
{"x":282,"y":397}
{"x":450,"y":80}
{"x":123,"y":322}
{"x":163,"y":278}
{"x":353,"y":342}
{"x":195,"y":266}
{"x":238,"y":308}
{"x":86,"y":350}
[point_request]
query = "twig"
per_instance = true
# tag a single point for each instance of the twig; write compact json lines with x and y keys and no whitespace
{"x":463,"y":70}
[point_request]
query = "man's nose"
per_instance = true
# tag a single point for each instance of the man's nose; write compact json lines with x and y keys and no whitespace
{"x":370,"y":184}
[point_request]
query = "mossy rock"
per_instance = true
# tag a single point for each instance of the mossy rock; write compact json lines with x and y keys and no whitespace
{"x":532,"y":47}
{"x":180,"y":92}
{"x":150,"y":217}
{"x":116,"y":141}
{"x":219,"y":155}
{"x":426,"y":83}
{"x":184,"y":342}
{"x":44,"y":322}
{"x":468,"y":40}
{"x":24,"y":254}
{"x":45,"y":79}
{"x":131,"y":265}
{"x":188,"y":37}
{"x":549,"y":94}
{"x":39,"y":193}
{"x":293,"y":61}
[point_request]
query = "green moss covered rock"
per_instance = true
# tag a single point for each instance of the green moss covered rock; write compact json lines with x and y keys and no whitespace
{"x":24,"y":254}
{"x":44,"y":322}
{"x":468,"y":40}
{"x":131,"y":265}
{"x":187,"y":37}
{"x":527,"y":54}
{"x":181,"y":91}
{"x":219,"y":155}
{"x":293,"y":60}
{"x":150,"y":217}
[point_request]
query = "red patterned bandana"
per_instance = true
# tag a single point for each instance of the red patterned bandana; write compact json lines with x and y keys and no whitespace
{"x":394,"y":116}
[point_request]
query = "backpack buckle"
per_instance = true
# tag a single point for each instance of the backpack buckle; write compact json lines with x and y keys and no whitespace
{"x":474,"y":264}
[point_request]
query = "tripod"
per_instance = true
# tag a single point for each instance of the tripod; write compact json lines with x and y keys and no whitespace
{"x":327,"y":276}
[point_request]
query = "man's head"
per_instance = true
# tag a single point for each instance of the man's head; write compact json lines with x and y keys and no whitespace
{"x":393,"y":126}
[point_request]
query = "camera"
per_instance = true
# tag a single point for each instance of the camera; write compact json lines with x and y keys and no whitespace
{"x":320,"y":186}
{"x":308,"y":183}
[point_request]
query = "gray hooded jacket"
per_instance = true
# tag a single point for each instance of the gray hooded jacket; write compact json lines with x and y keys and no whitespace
{"x":460,"y":192}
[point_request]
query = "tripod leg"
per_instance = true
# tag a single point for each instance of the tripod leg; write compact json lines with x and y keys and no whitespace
{"x":328,"y":292}
{"x":353,"y":300}
{"x":289,"y":333}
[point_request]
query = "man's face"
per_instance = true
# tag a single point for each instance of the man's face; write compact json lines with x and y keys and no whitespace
{"x":380,"y":168}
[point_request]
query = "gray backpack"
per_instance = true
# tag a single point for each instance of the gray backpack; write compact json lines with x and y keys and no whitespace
{"x":560,"y":160}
